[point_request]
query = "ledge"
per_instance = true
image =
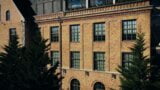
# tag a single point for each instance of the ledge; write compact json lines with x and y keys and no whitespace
{"x":121,"y":8}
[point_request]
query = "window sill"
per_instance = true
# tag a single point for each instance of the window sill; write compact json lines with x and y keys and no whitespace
{"x":99,"y":41}
{"x":99,"y":70}
{"x":74,"y":42}
{"x":128,"y":40}
{"x":74,"y":68}
{"x":54,"y":42}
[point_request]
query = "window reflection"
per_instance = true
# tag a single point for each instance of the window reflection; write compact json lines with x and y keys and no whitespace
{"x":96,"y":3}
{"x":75,"y":4}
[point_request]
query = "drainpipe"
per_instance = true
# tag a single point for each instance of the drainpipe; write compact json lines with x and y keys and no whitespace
{"x":23,"y":32}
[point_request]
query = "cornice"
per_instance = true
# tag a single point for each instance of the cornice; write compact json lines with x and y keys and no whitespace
{"x":103,"y":11}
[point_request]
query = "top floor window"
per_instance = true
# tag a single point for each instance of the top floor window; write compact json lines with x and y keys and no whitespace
{"x":129,"y":29}
{"x":8,"y":15}
{"x":75,"y":4}
{"x":95,"y":3}
{"x":99,"y":32}
{"x":54,"y":34}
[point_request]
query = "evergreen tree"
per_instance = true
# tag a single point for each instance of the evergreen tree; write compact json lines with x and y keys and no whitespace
{"x":36,"y":54}
{"x":25,"y":68}
{"x":9,"y":65}
{"x":137,"y":75}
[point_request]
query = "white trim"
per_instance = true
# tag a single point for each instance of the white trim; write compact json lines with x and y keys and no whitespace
{"x":89,"y":70}
{"x":114,"y":1}
{"x":87,"y":3}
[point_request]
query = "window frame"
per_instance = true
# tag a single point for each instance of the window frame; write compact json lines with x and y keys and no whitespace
{"x":126,"y":61}
{"x":133,"y":30}
{"x":102,"y":37}
{"x":74,"y":84}
{"x":54,"y":59}
{"x":101,"y":87}
{"x":8,"y":15}
{"x":75,"y":36}
{"x":92,"y":3}
{"x":54,"y":35}
{"x":12,"y":34}
{"x":70,"y":8}
{"x":74,"y":61}
{"x":99,"y":65}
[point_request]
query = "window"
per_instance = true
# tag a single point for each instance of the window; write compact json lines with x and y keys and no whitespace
{"x":99,"y":61}
{"x":99,"y":86}
{"x":7,"y":15}
{"x":57,"y":5}
{"x":54,"y":34}
{"x":75,"y":85}
{"x":95,"y":3}
{"x":75,"y":33}
{"x":12,"y":34}
{"x":126,"y":59}
{"x":99,"y":32}
{"x":48,"y":7}
{"x":129,"y":29}
{"x":40,"y":8}
{"x":75,"y":60}
{"x":54,"y":57}
{"x":75,"y":4}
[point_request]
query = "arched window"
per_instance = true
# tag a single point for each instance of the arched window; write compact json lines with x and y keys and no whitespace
{"x":75,"y":85}
{"x":7,"y":15}
{"x":99,"y":86}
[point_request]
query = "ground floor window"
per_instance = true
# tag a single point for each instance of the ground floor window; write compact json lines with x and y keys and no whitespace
{"x":99,"y":86}
{"x":75,"y":84}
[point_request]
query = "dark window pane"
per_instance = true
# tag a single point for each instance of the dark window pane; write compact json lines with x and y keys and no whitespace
{"x":129,"y":30}
{"x":75,"y":33}
{"x":75,"y":60}
{"x":99,"y":61}
{"x":99,"y":86}
{"x":8,"y":15}
{"x":99,"y":32}
{"x":75,"y":4}
{"x":54,"y":57}
{"x":75,"y":85}
{"x":12,"y":34}
{"x":96,"y":3}
{"x":126,"y":59}
{"x":54,"y":34}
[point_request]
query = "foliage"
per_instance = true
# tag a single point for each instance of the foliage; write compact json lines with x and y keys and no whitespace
{"x":25,"y":68}
{"x":137,"y":75}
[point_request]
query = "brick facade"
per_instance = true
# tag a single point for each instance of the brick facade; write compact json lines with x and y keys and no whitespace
{"x":16,"y":21}
{"x":113,"y":46}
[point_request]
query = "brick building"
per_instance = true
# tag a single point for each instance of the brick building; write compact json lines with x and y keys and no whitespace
{"x":11,"y":23}
{"x":92,"y":37}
